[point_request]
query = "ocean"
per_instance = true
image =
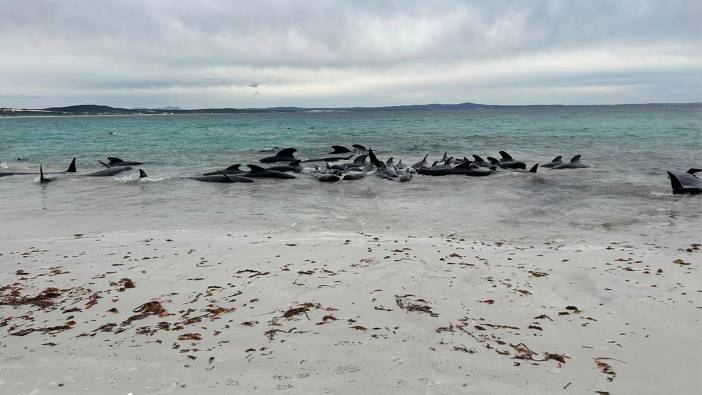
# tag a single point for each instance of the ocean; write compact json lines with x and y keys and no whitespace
{"x":624,"y":196}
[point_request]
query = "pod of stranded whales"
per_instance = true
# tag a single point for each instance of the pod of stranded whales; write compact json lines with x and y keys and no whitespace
{"x":359,"y":161}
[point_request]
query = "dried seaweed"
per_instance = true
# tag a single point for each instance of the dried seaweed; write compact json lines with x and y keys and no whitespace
{"x":145,"y":310}
{"x":50,"y":330}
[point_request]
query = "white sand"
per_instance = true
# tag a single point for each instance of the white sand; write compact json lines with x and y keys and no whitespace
{"x":230,"y":294}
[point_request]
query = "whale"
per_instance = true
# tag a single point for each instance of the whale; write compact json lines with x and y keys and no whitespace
{"x":466,"y":168}
{"x":329,"y":159}
{"x":71,"y":169}
{"x":108,"y":172}
{"x":284,"y":155}
{"x":555,"y":162}
{"x":482,"y":163}
{"x":375,"y":161}
{"x":506,"y":165}
{"x":260,"y":172}
{"x":357,"y":175}
{"x":221,"y":178}
{"x":406,"y":176}
{"x":328,"y":177}
{"x":114,"y":161}
{"x":353,"y":176}
{"x":293,"y":166}
{"x":573,"y":164}
{"x":339,"y":149}
{"x":233,"y":169}
{"x":686,"y":183}
{"x":507,"y":162}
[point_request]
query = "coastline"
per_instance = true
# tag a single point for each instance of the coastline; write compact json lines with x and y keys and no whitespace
{"x":340,"y":312}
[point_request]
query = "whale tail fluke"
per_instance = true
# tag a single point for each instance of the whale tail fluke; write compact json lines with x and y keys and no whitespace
{"x":72,"y":166}
{"x":374,"y":160}
{"x":41,"y":173}
{"x":534,"y":168}
{"x":675,"y":183}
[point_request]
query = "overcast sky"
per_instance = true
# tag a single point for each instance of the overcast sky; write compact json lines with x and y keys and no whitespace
{"x":212,"y":53}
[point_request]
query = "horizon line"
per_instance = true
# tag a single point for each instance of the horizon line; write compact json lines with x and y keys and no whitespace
{"x":177,"y":108}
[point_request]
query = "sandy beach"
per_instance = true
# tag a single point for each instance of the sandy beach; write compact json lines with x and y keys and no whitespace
{"x":216,"y":312}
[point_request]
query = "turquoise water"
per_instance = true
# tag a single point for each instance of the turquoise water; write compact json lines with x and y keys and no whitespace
{"x":625,"y":193}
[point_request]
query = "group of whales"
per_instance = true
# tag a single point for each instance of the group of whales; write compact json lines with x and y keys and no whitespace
{"x":360,"y":161}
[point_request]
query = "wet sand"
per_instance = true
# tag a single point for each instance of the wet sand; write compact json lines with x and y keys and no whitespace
{"x":211,"y":312}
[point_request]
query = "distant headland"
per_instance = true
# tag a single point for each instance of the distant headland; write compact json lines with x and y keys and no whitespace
{"x":94,"y":109}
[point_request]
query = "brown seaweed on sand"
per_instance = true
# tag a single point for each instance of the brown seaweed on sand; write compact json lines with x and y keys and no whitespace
{"x":145,"y":310}
{"x":13,"y":297}
{"x":50,"y":330}
{"x":419,"y":305}
{"x":605,"y":368}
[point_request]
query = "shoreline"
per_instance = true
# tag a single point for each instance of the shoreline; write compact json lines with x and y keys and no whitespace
{"x":211,"y":311}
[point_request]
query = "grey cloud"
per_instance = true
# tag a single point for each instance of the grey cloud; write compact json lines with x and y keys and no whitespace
{"x":64,"y":46}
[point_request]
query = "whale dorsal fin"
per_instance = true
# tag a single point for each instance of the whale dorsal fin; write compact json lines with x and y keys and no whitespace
{"x":41,"y":173}
{"x":506,"y":156}
{"x":389,"y":161}
{"x":557,"y":159}
{"x":104,"y":164}
{"x":113,"y":159}
{"x":493,"y":160}
{"x":234,"y":167}
{"x":72,"y":166}
{"x":576,"y":158}
{"x":359,"y":146}
{"x":478,"y":159}
{"x":693,"y":171}
{"x":142,"y":174}
{"x":254,"y":168}
{"x":286,"y":152}
{"x":339,"y":149}
{"x":534,"y":168}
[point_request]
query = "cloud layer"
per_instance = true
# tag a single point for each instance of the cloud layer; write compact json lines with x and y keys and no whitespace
{"x":323,"y":53}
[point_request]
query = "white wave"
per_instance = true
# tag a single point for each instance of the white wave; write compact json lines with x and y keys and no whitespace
{"x":134,"y":178}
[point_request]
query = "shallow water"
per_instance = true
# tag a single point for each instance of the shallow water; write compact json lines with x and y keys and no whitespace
{"x":625,"y":195}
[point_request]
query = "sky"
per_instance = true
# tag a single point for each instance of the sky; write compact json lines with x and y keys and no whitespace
{"x":224,"y":53}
